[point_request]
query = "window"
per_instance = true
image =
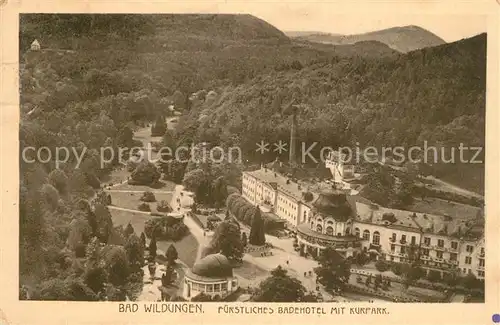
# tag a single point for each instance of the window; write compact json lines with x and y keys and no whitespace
{"x":482,"y":251}
{"x":427,"y":241}
{"x":348,"y":231}
{"x":481,"y":262}
{"x":425,"y":252}
{"x":469,"y":248}
{"x":440,"y":243}
{"x":392,"y":258}
{"x":329,"y":231}
{"x":319,"y":228}
{"x":356,"y":232}
{"x":217,"y":287}
{"x":453,"y":256}
{"x":480,"y":274}
{"x":454,"y":245}
{"x":366,"y":235}
{"x":439,"y":254}
{"x":464,"y":270}
{"x":403,"y":250}
{"x":468,"y":260}
{"x":210,"y":288}
{"x":393,"y":237}
{"x":393,"y":248}
{"x":376,"y":238}
{"x":223,"y":286}
{"x":413,"y":240}
{"x":403,"y":238}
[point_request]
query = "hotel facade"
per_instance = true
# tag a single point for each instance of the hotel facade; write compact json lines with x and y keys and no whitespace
{"x":352,"y":224}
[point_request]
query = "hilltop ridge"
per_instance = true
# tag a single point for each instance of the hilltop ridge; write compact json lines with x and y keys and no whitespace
{"x":402,"y":39}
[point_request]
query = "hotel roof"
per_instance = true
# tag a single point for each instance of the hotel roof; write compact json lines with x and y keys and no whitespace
{"x":465,"y":227}
{"x":283,"y":184}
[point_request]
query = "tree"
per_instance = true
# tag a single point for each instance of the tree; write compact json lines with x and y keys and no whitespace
{"x":470,"y":281}
{"x":434,"y":276}
{"x":59,"y":180}
{"x":219,"y":191}
{"x":227,"y":241}
{"x":143,"y":239}
{"x":135,"y":251}
{"x":50,"y":195}
{"x":159,"y":127}
{"x":117,"y":266}
{"x":280,"y":287}
{"x":201,"y":297}
{"x":171,"y":255}
{"x":378,"y":281}
{"x":146,"y":173}
{"x":450,"y":279}
{"x":333,"y":271}
{"x":244,"y":240}
{"x":257,"y":232}
{"x":152,"y":247}
{"x":71,"y":289}
{"x":129,"y":230}
{"x":381,"y":266}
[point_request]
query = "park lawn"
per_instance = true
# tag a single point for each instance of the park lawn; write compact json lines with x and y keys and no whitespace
{"x":187,"y":248}
{"x":118,"y":175}
{"x":132,"y":200}
{"x":123,"y":218}
{"x":166,"y":186}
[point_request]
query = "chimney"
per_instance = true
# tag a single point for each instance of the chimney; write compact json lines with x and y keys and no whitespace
{"x":293,"y":139}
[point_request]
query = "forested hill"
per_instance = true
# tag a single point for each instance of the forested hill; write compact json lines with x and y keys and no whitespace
{"x":402,"y":39}
{"x":435,"y":94}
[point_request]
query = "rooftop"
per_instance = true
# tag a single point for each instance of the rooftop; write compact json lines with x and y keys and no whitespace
{"x":427,"y":223}
{"x":282,"y":183}
{"x":215,"y":266}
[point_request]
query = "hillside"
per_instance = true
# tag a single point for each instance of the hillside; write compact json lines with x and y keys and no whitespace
{"x":435,"y":95}
{"x":402,"y":39}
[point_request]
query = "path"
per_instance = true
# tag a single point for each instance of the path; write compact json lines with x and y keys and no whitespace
{"x":138,"y":191}
{"x":194,"y":228}
{"x":128,"y":210}
{"x":451,"y":187}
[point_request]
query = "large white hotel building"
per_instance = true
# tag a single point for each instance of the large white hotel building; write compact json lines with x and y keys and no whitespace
{"x":350,"y":223}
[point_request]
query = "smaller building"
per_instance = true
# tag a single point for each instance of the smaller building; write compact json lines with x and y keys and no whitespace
{"x":35,"y":46}
{"x":212,"y":276}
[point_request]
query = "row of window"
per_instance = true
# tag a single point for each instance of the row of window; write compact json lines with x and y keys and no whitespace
{"x":218,"y":287}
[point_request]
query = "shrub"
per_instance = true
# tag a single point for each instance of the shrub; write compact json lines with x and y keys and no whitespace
{"x":163,"y":206}
{"x":144,"y":207}
{"x":434,"y":276}
{"x":397,"y":268}
{"x":381,"y":266}
{"x":148,"y":197}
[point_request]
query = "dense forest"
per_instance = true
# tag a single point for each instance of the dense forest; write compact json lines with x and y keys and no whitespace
{"x":96,"y":78}
{"x":435,"y":95}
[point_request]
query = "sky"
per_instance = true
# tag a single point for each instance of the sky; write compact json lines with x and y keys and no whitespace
{"x":332,"y":18}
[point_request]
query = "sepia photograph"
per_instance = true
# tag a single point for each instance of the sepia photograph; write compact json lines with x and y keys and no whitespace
{"x":237,"y":157}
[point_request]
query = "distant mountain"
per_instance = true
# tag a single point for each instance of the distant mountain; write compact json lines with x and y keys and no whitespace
{"x":402,"y":39}
{"x":306,"y":33}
